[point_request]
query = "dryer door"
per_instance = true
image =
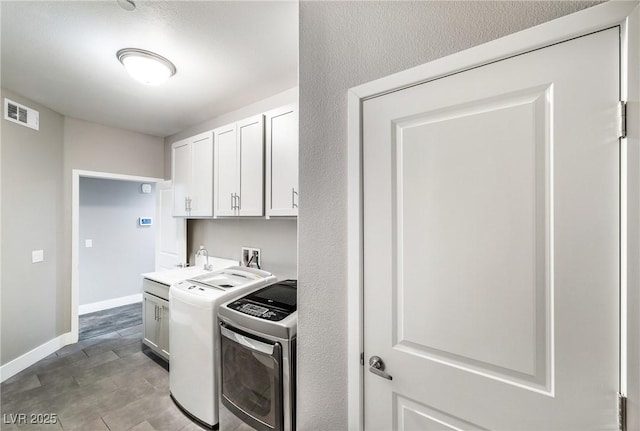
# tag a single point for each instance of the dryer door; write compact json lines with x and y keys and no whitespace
{"x":252,"y":378}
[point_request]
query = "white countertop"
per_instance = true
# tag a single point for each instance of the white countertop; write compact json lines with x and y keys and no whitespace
{"x":172,"y":276}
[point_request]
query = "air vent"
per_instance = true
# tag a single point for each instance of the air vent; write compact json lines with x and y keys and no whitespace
{"x":21,"y":114}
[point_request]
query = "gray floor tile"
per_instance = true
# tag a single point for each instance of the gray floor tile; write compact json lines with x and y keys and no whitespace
{"x":144,"y":426}
{"x":191,"y":426}
{"x":132,"y":414}
{"x":128,"y":349}
{"x":170,"y":419}
{"x":133,"y":330}
{"x":104,"y":382}
{"x":23,"y":383}
{"x":78,"y":415}
{"x":110,"y":344}
{"x":75,"y":368}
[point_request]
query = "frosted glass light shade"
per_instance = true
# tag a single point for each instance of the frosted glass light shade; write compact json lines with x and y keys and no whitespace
{"x":146,"y":66}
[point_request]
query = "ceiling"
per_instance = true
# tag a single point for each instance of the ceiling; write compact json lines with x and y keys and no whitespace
{"x":62,"y":54}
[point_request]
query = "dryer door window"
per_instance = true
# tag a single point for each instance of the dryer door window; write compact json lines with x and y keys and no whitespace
{"x":252,"y":379}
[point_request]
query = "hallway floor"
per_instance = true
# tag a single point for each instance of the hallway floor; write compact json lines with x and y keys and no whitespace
{"x":103,"y":382}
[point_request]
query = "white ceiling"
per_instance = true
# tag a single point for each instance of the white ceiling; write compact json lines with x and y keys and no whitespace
{"x":62,"y":54}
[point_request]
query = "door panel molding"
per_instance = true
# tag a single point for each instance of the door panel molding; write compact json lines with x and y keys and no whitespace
{"x":623,"y":14}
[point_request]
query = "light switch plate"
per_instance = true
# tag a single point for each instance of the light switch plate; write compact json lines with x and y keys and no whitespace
{"x":88,"y":243}
{"x":37,"y":256}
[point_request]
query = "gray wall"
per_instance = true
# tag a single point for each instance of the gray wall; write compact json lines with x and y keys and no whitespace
{"x":122,"y":249}
{"x":277,"y":240}
{"x":342,"y":45}
{"x":36,"y":214}
{"x":31,"y":219}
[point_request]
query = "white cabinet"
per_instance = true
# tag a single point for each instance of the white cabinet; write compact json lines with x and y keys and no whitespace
{"x":155,"y":316}
{"x":239,"y":168}
{"x":192,"y":173}
{"x":282,"y":161}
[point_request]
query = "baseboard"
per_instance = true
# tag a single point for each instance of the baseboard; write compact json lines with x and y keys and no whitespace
{"x":110,"y":303}
{"x":12,"y":368}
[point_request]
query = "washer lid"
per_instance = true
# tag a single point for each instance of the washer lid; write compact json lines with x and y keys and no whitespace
{"x":195,"y":294}
{"x":232,"y":277}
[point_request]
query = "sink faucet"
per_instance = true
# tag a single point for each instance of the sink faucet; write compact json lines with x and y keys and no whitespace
{"x":204,"y":251}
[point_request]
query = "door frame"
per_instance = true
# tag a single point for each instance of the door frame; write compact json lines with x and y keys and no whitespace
{"x":76,"y":174}
{"x":626,"y":14}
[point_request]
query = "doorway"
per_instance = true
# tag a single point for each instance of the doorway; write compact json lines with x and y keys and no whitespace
{"x":117,"y":241}
{"x":76,"y":239}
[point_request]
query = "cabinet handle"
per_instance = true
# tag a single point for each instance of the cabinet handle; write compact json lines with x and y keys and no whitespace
{"x":233,"y":204}
{"x":190,"y":205}
{"x":238,"y":202}
{"x":155,"y":312}
{"x":294,"y":193}
{"x":186,"y":208}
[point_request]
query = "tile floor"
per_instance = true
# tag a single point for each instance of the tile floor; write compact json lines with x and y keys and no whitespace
{"x":104,"y":382}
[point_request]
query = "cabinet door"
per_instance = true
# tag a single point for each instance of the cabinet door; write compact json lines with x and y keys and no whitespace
{"x":181,"y":175}
{"x":201,"y":190}
{"x":225,"y":171}
{"x":250,"y":133}
{"x":282,"y":161}
{"x":150,"y":321}
{"x":164,"y":328}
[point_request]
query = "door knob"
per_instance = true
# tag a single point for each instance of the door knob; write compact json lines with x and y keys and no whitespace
{"x":376,"y":366}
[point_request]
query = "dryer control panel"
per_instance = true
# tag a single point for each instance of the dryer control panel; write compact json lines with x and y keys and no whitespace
{"x":274,"y":302}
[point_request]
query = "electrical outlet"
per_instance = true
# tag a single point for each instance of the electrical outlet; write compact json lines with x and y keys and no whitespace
{"x":246,"y":255}
{"x":256,"y":258}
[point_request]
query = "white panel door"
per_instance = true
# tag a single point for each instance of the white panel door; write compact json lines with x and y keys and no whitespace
{"x":225,"y":171}
{"x":202,"y":175}
{"x":491,"y":260}
{"x":181,"y":176}
{"x":282,"y":161}
{"x":171,"y":244}
{"x":251,"y":157}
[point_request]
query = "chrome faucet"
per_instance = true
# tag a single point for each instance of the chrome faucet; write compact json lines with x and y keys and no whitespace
{"x":204,"y":251}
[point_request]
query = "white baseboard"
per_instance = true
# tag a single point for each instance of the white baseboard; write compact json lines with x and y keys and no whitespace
{"x":12,"y":368}
{"x":110,"y":303}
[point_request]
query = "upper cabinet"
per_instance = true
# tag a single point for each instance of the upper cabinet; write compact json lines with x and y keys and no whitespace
{"x":192,"y":174}
{"x":239,"y":168}
{"x":282,"y":161}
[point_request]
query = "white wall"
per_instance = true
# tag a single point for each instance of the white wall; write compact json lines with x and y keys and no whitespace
{"x":121,"y":249}
{"x":31,"y":218}
{"x":342,"y":45}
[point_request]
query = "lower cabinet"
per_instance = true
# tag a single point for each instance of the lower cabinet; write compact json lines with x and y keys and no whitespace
{"x":155,"y":319}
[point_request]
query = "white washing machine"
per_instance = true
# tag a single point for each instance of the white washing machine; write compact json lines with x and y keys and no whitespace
{"x":194,"y":338}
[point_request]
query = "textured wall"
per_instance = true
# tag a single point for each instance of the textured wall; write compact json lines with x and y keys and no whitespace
{"x":342,"y":45}
{"x":31,"y":220}
{"x":122,"y":249}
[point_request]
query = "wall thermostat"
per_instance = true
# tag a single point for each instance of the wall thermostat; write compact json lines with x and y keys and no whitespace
{"x":145,"y":221}
{"x":146,"y":188}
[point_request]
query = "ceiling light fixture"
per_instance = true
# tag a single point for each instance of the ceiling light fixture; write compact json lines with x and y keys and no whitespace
{"x":128,"y":5}
{"x":146,"y":66}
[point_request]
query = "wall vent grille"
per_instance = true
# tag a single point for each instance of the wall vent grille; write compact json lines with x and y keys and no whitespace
{"x":21,"y":114}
